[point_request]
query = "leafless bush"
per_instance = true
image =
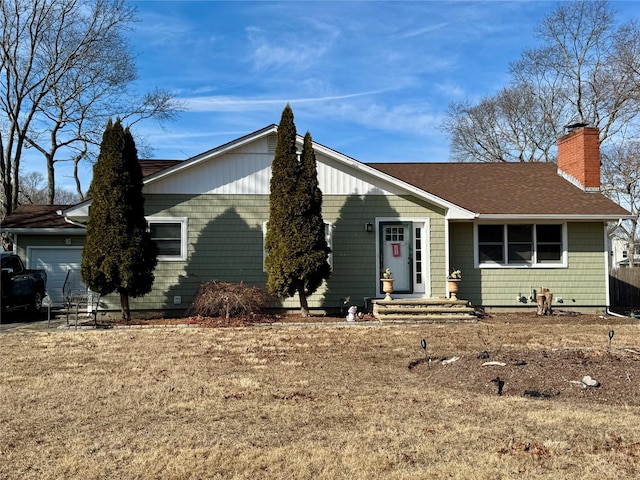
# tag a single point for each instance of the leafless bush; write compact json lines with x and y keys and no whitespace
{"x":221,"y":299}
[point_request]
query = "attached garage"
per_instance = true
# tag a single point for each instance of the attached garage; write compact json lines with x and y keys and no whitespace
{"x":58,"y":262}
{"x":44,"y":240}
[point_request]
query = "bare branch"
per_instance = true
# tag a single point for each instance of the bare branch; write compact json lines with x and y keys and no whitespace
{"x":64,"y":71}
{"x":586,"y":69}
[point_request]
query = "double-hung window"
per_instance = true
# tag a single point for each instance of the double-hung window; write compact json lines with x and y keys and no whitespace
{"x":521,"y":245}
{"x":170,"y":234}
{"x":549,"y":243}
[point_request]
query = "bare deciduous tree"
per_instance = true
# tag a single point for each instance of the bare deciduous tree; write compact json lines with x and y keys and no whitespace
{"x":589,"y":63}
{"x":587,"y":69}
{"x":65,"y":69}
{"x":33,"y":190}
{"x":508,"y":127}
{"x":621,"y":182}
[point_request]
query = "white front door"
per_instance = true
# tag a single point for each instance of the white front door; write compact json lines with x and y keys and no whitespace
{"x":396,"y":254}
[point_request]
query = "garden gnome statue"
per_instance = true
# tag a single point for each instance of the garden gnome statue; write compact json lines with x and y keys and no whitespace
{"x":352,"y":313}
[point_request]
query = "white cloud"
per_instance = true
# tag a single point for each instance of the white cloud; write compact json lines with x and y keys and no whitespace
{"x":163,"y":29}
{"x":410,"y":118}
{"x":422,"y":31}
{"x":291,"y":51}
{"x":451,"y":90}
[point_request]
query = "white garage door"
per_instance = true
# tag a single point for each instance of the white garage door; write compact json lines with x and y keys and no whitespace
{"x":57,"y":262}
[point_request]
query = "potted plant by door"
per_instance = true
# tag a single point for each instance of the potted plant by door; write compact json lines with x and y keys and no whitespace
{"x":387,"y":283}
{"x":453,"y":281}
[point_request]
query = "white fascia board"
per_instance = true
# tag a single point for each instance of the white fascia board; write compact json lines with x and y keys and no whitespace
{"x":215,"y":152}
{"x":458,"y":213}
{"x":78,"y":210}
{"x":76,"y":214}
{"x":453,"y":211}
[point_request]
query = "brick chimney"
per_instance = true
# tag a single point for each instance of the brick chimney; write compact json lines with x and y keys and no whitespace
{"x":579,"y":158}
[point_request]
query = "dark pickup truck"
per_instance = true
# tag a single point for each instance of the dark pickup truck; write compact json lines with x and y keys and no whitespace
{"x":21,"y":288}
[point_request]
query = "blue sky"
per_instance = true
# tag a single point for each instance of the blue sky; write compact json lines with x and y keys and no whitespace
{"x":372,"y":80}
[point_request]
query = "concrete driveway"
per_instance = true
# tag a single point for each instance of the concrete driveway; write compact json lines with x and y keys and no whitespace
{"x":23,"y":321}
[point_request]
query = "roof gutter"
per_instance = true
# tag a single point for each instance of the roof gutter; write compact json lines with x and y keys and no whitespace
{"x":45,"y":231}
{"x":577,"y":217}
{"x":74,"y":223}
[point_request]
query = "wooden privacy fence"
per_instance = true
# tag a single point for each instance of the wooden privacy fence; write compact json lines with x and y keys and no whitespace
{"x":624,"y":286}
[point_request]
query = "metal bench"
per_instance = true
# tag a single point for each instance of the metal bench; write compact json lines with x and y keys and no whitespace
{"x":74,"y":297}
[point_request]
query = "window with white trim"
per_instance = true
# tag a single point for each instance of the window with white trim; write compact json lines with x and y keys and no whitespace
{"x":170,"y":234}
{"x":521,"y":244}
{"x":636,"y":248}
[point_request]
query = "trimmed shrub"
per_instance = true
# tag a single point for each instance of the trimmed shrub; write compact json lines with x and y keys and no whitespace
{"x":229,"y":300}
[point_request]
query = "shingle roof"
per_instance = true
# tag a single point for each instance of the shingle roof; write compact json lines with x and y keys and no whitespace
{"x":483,"y":188}
{"x":149,"y":167}
{"x":503,"y":188}
{"x":46,"y":216}
{"x":36,"y":216}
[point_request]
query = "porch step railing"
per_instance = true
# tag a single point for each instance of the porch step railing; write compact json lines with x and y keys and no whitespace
{"x":428,"y":310}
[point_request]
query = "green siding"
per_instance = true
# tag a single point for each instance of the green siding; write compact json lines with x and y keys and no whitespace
{"x":410,"y":208}
{"x":581,"y":284}
{"x":225,"y":243}
{"x":24,"y":241}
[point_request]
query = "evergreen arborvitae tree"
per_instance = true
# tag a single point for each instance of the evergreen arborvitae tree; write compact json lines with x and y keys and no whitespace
{"x":296,"y":246}
{"x":284,"y":171}
{"x":119,"y":255}
{"x":315,"y":268}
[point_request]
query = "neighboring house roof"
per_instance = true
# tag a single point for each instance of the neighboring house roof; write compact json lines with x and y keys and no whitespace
{"x":46,"y":217}
{"x":149,"y":167}
{"x":42,"y":217}
{"x":504,"y":189}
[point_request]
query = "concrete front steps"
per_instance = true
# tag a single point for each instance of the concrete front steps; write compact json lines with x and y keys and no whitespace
{"x":423,"y":310}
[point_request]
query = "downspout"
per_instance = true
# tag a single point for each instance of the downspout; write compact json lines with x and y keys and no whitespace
{"x":608,"y":276}
{"x":607,"y":268}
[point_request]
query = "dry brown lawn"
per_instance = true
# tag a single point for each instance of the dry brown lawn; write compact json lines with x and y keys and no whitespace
{"x":328,"y":401}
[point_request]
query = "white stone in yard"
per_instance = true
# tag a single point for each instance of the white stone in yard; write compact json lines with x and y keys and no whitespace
{"x":589,"y":381}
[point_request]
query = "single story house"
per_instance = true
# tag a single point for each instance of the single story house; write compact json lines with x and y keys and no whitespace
{"x":511,"y":228}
